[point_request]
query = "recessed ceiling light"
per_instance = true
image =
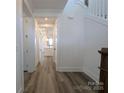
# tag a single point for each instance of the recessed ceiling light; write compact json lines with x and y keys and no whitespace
{"x":46,"y":19}
{"x":46,"y":25}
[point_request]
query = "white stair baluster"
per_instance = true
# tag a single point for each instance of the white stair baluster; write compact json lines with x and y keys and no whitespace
{"x":98,"y":8}
{"x":95,"y":9}
{"x":97,"y":1}
{"x":99,"y":4}
{"x":103,"y":8}
{"x":106,"y":9}
{"x":90,"y":7}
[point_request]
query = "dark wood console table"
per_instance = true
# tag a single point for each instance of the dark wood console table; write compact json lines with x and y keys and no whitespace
{"x":104,"y":69}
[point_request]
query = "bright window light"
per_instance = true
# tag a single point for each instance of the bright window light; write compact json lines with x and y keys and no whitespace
{"x":46,"y":19}
{"x":50,"y":41}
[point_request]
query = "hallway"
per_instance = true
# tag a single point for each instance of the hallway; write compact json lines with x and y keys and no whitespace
{"x":46,"y":80}
{"x":59,"y":46}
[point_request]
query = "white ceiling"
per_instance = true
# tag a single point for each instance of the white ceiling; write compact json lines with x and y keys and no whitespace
{"x":49,"y":21}
{"x":46,"y":8}
{"x":46,"y":26}
{"x":47,"y":4}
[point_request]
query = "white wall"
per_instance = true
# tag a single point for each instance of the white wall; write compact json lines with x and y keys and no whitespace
{"x":19,"y":48}
{"x":29,"y":44}
{"x":79,"y":39}
{"x":55,"y":43}
{"x":41,"y":46}
{"x":96,"y":37}
{"x":70,"y":35}
{"x":37,"y":44}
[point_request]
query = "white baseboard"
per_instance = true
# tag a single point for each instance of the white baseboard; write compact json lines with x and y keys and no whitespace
{"x":31,"y":69}
{"x":90,"y":75}
{"x":20,"y":90}
{"x":69,"y":69}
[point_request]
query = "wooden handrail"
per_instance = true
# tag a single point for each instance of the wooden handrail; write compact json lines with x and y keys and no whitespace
{"x":103,"y":51}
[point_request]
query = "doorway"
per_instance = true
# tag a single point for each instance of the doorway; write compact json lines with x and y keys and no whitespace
{"x":46,"y":31}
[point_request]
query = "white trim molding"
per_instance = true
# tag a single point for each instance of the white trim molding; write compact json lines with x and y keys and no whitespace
{"x":98,"y":20}
{"x":28,"y":6}
{"x":20,"y":90}
{"x":91,"y":75}
{"x":47,"y":12}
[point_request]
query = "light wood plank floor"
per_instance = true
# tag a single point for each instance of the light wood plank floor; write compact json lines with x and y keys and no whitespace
{"x":46,"y":80}
{"x":27,"y":77}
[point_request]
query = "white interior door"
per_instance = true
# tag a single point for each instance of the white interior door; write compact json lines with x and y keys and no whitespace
{"x":25,"y":45}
